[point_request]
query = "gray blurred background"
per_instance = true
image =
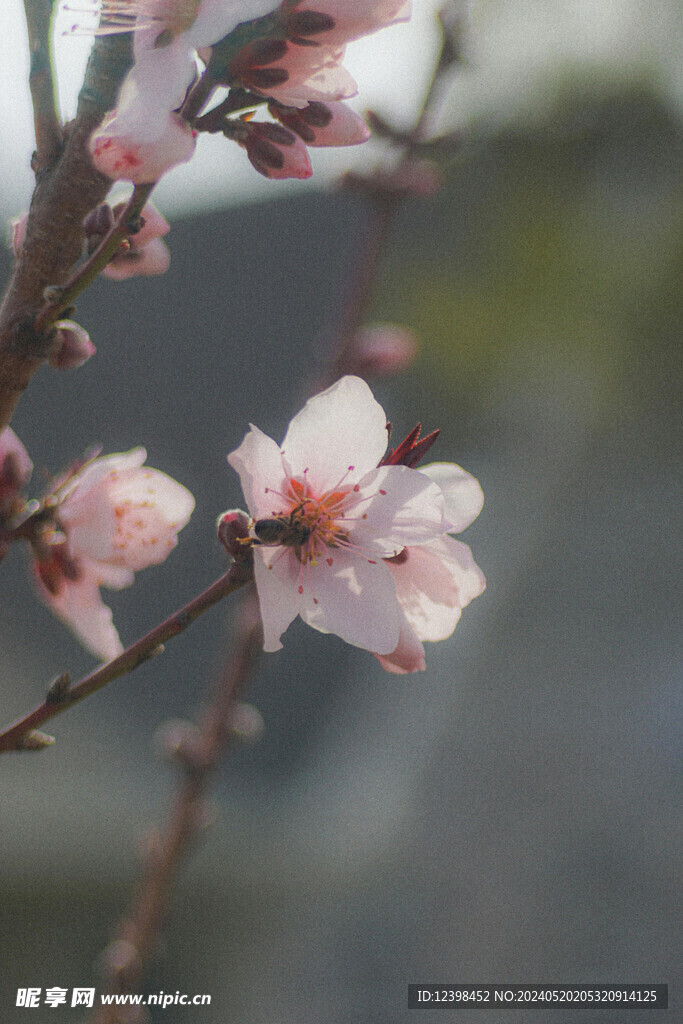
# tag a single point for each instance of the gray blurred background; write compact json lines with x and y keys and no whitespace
{"x":510,"y":815}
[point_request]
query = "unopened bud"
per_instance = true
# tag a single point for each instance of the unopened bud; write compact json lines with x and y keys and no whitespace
{"x":17,"y":230}
{"x":36,"y":740}
{"x":232,"y":528}
{"x":246,"y":723}
{"x":73,"y":346}
{"x":381,"y":349}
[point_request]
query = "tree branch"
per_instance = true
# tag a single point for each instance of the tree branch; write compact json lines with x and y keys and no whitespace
{"x":48,"y":129}
{"x":199,"y":753}
{"x":64,"y":194}
{"x":18,"y":736}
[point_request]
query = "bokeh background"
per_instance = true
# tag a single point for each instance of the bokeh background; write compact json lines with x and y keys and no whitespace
{"x":514,"y":813}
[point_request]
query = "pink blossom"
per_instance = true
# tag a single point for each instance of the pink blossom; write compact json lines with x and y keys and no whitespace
{"x":312,"y":73}
{"x":114,"y":517}
{"x":436,"y":580}
{"x":326,"y":518}
{"x":123,"y":152}
{"x":323,"y":124}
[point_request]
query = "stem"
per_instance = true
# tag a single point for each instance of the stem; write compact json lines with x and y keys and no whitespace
{"x":13,"y":736}
{"x":48,"y":129}
{"x":127,"y":956}
{"x":64,"y":194}
{"x":86,"y":273}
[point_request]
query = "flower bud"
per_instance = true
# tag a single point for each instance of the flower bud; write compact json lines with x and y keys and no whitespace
{"x":383,"y":349}
{"x":233,"y":527}
{"x":73,"y":346}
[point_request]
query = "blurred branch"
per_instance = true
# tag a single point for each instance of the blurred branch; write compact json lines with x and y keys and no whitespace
{"x":386,"y":189}
{"x":21,"y":735}
{"x":64,"y":194}
{"x":199,"y":752}
{"x":48,"y":129}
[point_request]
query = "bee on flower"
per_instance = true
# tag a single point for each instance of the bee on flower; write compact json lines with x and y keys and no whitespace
{"x":355,"y":541}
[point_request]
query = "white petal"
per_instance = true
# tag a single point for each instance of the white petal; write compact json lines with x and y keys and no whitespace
{"x":462,"y":493}
{"x":355,"y":599}
{"x":259,"y":464}
{"x":277,"y":592}
{"x":342,"y":427}
{"x":99,"y":468}
{"x":79,"y":605}
{"x":410,"y":511}
{"x":409,"y":655}
{"x":434,"y":584}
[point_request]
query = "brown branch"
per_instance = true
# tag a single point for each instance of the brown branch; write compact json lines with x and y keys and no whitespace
{"x":18,"y":736}
{"x":64,"y":194}
{"x":199,"y":752}
{"x":48,"y":129}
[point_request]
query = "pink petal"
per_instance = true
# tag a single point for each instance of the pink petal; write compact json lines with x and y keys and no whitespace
{"x":150,"y":508}
{"x":148,"y":261}
{"x":356,"y":18}
{"x":354,"y":599}
{"x":315,"y":73}
{"x":155,"y":226}
{"x":406,"y":508}
{"x":409,"y":655}
{"x":463,"y":496}
{"x":345,"y":129}
{"x":278,"y":596}
{"x":79,"y":606}
{"x":342,"y":427}
{"x":259,"y":464}
{"x":121,"y":154}
{"x":217,"y":18}
{"x":434,"y":583}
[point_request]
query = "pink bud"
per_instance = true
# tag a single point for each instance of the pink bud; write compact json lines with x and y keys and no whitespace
{"x":118,"y":150}
{"x":383,"y":349}
{"x":323,"y":124}
{"x":276,"y":152}
{"x":232,"y":527}
{"x":17,"y":227}
{"x":73,"y":346}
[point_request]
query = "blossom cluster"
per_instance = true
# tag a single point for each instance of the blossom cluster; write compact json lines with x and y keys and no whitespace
{"x":295,"y":67}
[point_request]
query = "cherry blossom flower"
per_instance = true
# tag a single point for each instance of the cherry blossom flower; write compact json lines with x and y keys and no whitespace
{"x":128,"y":149}
{"x":328,"y":520}
{"x":112,"y":518}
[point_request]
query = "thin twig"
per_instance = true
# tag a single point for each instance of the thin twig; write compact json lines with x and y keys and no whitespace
{"x":14,"y":736}
{"x":86,"y":273}
{"x":48,"y":129}
{"x":127,"y":956}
